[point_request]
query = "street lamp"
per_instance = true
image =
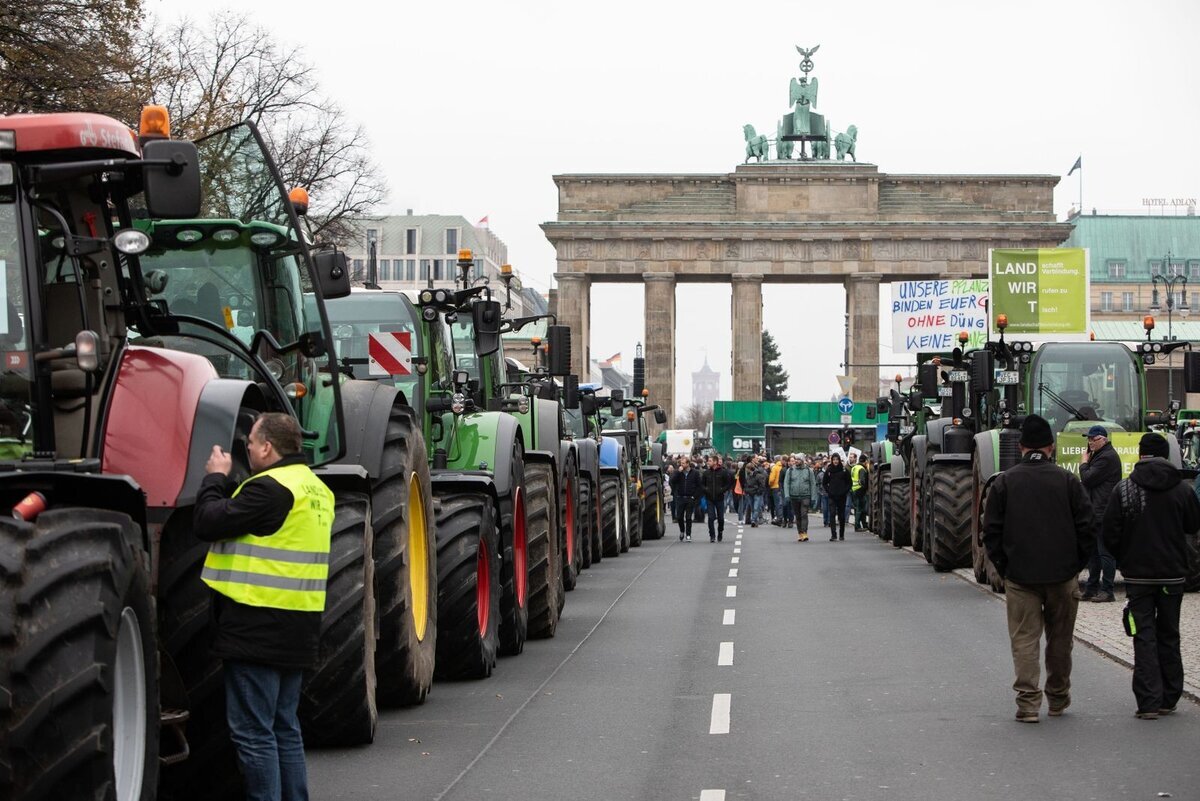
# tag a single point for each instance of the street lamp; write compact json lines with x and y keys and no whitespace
{"x":1169,"y":282}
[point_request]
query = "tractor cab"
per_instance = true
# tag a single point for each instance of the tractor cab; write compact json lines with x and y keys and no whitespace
{"x":1076,"y":384}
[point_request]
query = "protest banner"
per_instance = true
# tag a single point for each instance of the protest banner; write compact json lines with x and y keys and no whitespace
{"x":1043,"y":292}
{"x":927,"y":316}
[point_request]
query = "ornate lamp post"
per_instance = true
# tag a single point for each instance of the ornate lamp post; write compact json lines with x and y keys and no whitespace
{"x":1169,"y":282}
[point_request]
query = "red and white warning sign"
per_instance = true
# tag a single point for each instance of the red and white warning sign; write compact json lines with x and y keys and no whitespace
{"x":390,"y":353}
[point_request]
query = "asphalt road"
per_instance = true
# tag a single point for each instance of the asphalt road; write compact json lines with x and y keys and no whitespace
{"x":857,"y":673}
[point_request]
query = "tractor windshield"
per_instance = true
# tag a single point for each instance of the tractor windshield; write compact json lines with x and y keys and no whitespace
{"x":1086,"y":381}
{"x":356,"y":317}
{"x":16,"y":402}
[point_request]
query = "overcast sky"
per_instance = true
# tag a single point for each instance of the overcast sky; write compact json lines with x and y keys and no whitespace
{"x":473,"y":106}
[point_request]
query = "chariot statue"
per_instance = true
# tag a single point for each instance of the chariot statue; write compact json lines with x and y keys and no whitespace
{"x":802,"y":123}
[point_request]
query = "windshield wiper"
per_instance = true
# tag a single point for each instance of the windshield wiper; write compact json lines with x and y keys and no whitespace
{"x":1054,"y":396}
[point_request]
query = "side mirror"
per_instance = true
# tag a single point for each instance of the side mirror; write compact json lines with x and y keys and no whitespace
{"x":311,"y":344}
{"x":333,"y":274}
{"x":485,"y":315}
{"x":245,"y":318}
{"x":558,"y":338}
{"x":983,"y":372}
{"x":616,"y":405}
{"x":927,"y":378}
{"x":587,"y":404}
{"x":1191,"y":371}
{"x":571,"y":392}
{"x":172,"y":189}
{"x":660,"y":416}
{"x":1154,"y":418}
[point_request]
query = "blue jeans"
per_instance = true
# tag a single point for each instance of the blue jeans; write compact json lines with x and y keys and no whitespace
{"x":717,"y":517}
{"x":1102,"y":568}
{"x":777,"y":503}
{"x":729,"y":504}
{"x":260,"y":706}
{"x":825,"y":510}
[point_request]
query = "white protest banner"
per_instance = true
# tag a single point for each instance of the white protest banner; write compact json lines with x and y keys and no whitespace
{"x":927,"y":316}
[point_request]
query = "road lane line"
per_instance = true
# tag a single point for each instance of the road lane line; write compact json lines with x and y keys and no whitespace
{"x":733,"y":572}
{"x":730,"y":614}
{"x":737,"y":550}
{"x":719,"y":724}
{"x":735,"y":560}
{"x":712,"y":795}
{"x":731,"y":591}
{"x":725,"y":655}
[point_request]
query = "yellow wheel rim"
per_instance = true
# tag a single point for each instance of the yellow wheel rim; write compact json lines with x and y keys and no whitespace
{"x":418,"y":557}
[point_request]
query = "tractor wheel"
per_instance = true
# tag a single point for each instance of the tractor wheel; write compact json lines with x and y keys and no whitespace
{"x":985,"y":570}
{"x":572,"y":542}
{"x":653,"y":526}
{"x":405,"y":565}
{"x":630,"y":509}
{"x":514,"y":559}
{"x":881,"y":514}
{"x":468,"y":560}
{"x":915,"y":515}
{"x":950,"y":491}
{"x":636,"y":517}
{"x":186,"y":632}
{"x":897,"y":505}
{"x":610,"y":504}
{"x":337,"y":702}
{"x":584,"y":517}
{"x":79,"y":708}
{"x":545,"y":559}
{"x":599,"y":516}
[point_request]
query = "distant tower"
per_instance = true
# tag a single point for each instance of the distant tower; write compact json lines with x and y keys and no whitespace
{"x":706,"y":385}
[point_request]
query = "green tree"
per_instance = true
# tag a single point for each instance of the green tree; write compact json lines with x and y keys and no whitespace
{"x":774,"y":377}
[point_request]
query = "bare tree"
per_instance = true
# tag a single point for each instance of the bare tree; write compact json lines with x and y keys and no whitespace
{"x":695,"y":416}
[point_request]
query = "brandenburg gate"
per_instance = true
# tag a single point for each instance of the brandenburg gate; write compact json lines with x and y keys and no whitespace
{"x":813,"y":220}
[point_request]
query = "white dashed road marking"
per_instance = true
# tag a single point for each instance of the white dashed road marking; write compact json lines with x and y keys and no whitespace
{"x":730,"y":614}
{"x":712,"y":795}
{"x":731,"y":591}
{"x":737,"y":550}
{"x":735,"y":560}
{"x":725,"y":655}
{"x":720,"y":714}
{"x":733,"y":572}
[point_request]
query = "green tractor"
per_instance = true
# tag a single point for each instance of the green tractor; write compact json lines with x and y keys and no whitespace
{"x":642,"y":486}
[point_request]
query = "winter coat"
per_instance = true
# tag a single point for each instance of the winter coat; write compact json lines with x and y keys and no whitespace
{"x":800,"y":483}
{"x":1037,"y":524}
{"x":1150,"y":525}
{"x":837,"y":481}
{"x":821,"y":482}
{"x":686,"y":484}
{"x":715,"y":483}
{"x":774,"y":475}
{"x":754,"y":481}
{"x":1099,"y":475}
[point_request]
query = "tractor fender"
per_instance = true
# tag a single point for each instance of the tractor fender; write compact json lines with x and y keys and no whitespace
{"x":898,"y":468}
{"x":117,"y":493}
{"x":344,"y":478}
{"x":1176,"y":457}
{"x":919,"y":445}
{"x":566,"y":450}
{"x":986,"y":447}
{"x":934,"y":431}
{"x":547,"y":424}
{"x":588,"y":454}
{"x":227,"y":407}
{"x":485,"y":440}
{"x":612,"y":452}
{"x":656,"y":455}
{"x":445,"y":481}
{"x":366,"y":408}
{"x":957,"y":458}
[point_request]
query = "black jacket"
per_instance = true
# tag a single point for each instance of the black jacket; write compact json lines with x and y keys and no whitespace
{"x":715,"y":483}
{"x":836,"y":481}
{"x":1037,"y":524}
{"x":1151,"y":519}
{"x":1099,"y":475}
{"x":754,"y":480}
{"x":276,"y":637}
{"x":686,"y":484}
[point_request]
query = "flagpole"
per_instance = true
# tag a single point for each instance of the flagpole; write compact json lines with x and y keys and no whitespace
{"x":1081,"y":186}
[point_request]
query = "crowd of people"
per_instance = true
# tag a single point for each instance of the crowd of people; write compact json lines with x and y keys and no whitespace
{"x":784,"y":489}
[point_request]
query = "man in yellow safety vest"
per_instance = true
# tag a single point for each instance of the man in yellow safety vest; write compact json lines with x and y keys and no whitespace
{"x":267,"y":565}
{"x":858,"y":491}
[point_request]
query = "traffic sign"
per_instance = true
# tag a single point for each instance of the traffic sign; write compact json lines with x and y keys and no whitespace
{"x":834,"y":439}
{"x":846,"y":383}
{"x":846,"y":418}
{"x":845,"y":405}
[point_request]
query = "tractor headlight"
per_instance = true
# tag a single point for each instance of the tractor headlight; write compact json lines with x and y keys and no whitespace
{"x":131,"y":241}
{"x":226,"y":235}
{"x":189,"y":236}
{"x":523,"y":406}
{"x":427,"y":296}
{"x":429,"y":314}
{"x":458,"y":403}
{"x":275,"y":368}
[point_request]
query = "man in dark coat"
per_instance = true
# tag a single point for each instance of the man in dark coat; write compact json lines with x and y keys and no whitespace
{"x":1099,"y":470}
{"x":837,"y":486}
{"x":686,"y":489}
{"x":1039,"y":532}
{"x":754,"y":485}
{"x":1150,"y":519}
{"x":716,"y":481}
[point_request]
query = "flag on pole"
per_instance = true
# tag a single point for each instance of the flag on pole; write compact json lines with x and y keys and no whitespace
{"x":614,"y":360}
{"x":483,"y":221}
{"x":1077,"y":166}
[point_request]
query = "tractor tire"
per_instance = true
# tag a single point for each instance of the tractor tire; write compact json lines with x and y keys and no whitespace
{"x":653,"y":525}
{"x":585,"y":516}
{"x":636,"y":518}
{"x":915,"y":514}
{"x":545,"y":559}
{"x":985,"y":570}
{"x":468,"y":560}
{"x":186,"y":631}
{"x":881,"y":513}
{"x":610,"y":505}
{"x":897,"y":505}
{"x":514,"y":560}
{"x":572,"y":542}
{"x":405,"y":565}
{"x":79,"y":696}
{"x":950,"y":493}
{"x":337,"y":701}
{"x":631,"y":509}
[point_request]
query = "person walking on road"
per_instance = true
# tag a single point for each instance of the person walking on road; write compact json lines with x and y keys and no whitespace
{"x":1151,"y":517}
{"x":800,"y":484}
{"x":858,"y":491}
{"x":774,"y":490}
{"x":822,"y":495}
{"x":267,"y":566}
{"x":685,"y":488}
{"x":837,"y":487}
{"x":716,"y":482}
{"x":1099,"y":470}
{"x":754,"y":484}
{"x":786,"y":514}
{"x":1039,"y":533}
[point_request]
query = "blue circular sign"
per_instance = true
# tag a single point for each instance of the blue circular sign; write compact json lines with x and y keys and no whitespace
{"x":845,"y":405}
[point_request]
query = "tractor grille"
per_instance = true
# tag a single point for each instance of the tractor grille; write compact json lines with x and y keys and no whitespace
{"x":1009,"y":447}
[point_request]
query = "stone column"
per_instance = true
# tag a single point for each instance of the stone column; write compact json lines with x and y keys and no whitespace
{"x":747,"y":337}
{"x":659,"y":348}
{"x":573,"y":301}
{"x":862,"y":304}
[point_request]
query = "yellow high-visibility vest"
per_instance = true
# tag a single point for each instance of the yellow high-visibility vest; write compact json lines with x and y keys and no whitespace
{"x":289,"y":573}
{"x":856,"y":477}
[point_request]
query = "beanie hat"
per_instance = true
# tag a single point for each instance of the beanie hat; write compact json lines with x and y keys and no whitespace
{"x":1152,"y":444}
{"x":1036,"y":433}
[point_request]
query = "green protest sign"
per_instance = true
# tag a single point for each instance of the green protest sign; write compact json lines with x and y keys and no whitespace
{"x":1043,"y":292}
{"x":1069,"y":452}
